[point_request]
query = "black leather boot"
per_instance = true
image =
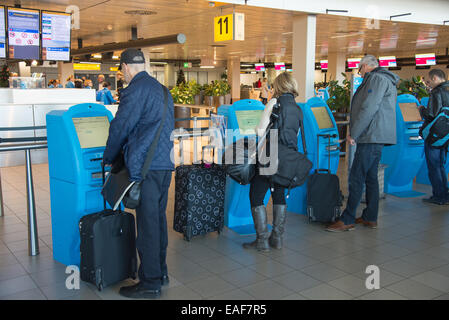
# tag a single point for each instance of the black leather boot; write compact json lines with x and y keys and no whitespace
{"x":279,"y":218}
{"x":260,"y":223}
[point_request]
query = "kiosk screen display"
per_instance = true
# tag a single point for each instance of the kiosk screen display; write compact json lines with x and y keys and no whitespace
{"x":23,"y":34}
{"x":248,"y":120}
{"x":410,"y":112}
{"x":2,"y":33}
{"x":92,"y":132}
{"x":56,"y":36}
{"x":322,"y":118}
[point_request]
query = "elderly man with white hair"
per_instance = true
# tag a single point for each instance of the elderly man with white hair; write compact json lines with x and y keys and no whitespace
{"x":372,"y":126}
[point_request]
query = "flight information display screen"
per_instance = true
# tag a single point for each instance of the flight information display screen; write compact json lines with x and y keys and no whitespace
{"x":387,"y":62}
{"x":56,"y":36}
{"x":248,"y":120}
{"x":92,"y":132}
{"x":2,"y":33}
{"x":23,"y":34}
{"x":410,"y":112}
{"x":322,"y":117}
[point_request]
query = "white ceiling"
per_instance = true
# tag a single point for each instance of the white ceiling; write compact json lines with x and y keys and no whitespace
{"x":268,"y":31}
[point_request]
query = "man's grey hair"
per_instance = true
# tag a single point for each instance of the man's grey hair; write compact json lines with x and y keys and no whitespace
{"x":137,"y":67}
{"x":370,"y":61}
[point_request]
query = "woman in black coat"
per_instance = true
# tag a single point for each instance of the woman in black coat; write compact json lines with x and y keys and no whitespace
{"x":290,"y":115}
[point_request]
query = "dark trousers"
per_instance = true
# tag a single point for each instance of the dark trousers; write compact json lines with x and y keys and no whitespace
{"x":436,"y":158}
{"x":258,"y":189}
{"x":364,"y":172}
{"x":152,"y":237}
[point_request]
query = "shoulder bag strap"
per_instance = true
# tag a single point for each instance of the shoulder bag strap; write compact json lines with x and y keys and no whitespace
{"x":153,"y":146}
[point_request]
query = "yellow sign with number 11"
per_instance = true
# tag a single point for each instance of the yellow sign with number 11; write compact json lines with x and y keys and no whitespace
{"x":229,"y":27}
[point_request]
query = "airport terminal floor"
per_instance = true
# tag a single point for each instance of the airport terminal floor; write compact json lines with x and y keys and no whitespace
{"x":410,"y":247}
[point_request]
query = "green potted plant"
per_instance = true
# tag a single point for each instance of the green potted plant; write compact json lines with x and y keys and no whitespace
{"x":414,"y":86}
{"x":195,"y":90}
{"x":339,"y":103}
{"x":208,"y":94}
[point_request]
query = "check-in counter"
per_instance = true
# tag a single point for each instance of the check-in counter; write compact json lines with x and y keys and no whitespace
{"x":28,"y":108}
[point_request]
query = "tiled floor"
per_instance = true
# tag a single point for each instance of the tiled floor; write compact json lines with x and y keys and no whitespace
{"x":410,"y":247}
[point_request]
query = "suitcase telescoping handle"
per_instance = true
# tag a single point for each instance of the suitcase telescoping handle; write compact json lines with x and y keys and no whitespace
{"x":103,"y":175}
{"x":329,"y":136}
{"x":213,"y":153}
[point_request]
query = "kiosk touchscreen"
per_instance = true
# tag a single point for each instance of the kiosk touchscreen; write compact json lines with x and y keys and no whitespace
{"x":242,"y":118}
{"x":76,"y":141}
{"x":404,"y":159}
{"x":318,"y":122}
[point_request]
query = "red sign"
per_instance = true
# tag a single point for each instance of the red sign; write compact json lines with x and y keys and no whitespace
{"x":324,"y":64}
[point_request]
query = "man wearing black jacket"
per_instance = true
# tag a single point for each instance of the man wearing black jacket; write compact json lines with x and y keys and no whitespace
{"x":436,"y":157}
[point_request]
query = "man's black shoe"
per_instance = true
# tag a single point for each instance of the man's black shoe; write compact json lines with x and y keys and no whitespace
{"x":434,"y":201}
{"x":165,"y":280}
{"x":138,"y":291}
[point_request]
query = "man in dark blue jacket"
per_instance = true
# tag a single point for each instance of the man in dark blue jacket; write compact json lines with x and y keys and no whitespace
{"x":132,"y":131}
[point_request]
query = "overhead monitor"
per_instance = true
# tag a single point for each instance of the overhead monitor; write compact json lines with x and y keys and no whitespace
{"x":92,"y":132}
{"x":2,"y":32}
{"x":279,"y":66}
{"x":322,"y":117}
{"x":353,"y":63}
{"x":410,"y":112}
{"x":248,"y":120}
{"x":56,"y":36}
{"x":387,"y":62}
{"x":259,"y":66}
{"x":324,"y":64}
{"x":426,"y":59}
{"x":23,"y":33}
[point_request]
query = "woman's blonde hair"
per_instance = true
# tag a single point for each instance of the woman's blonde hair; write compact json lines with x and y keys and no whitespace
{"x":285,"y":83}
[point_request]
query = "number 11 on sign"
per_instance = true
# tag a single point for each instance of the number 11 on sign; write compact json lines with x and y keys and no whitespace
{"x":224,"y":28}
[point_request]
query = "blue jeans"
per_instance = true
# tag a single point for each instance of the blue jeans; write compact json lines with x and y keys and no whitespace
{"x":364,"y":172}
{"x":436,"y":158}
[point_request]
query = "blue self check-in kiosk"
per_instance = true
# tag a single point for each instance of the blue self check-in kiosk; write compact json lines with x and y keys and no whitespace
{"x":404,"y":159}
{"x":242,"y":118}
{"x":318,"y":123}
{"x":76,"y":142}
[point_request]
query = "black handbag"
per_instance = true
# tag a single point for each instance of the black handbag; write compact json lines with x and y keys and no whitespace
{"x":117,"y":187}
{"x":243,"y":166}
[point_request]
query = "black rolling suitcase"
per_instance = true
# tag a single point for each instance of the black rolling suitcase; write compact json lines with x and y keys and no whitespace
{"x":199,"y":199}
{"x":324,"y":196}
{"x":108,"y":247}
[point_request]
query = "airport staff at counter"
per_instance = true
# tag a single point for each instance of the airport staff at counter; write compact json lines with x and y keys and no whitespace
{"x":70,"y":82}
{"x":373,"y":125}
{"x":132,"y":132}
{"x":105,"y":95}
{"x":436,"y":157}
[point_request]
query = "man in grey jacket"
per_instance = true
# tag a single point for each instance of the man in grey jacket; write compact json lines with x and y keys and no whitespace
{"x":373,"y":125}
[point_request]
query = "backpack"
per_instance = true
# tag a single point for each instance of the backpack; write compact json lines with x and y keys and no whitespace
{"x":436,"y":133}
